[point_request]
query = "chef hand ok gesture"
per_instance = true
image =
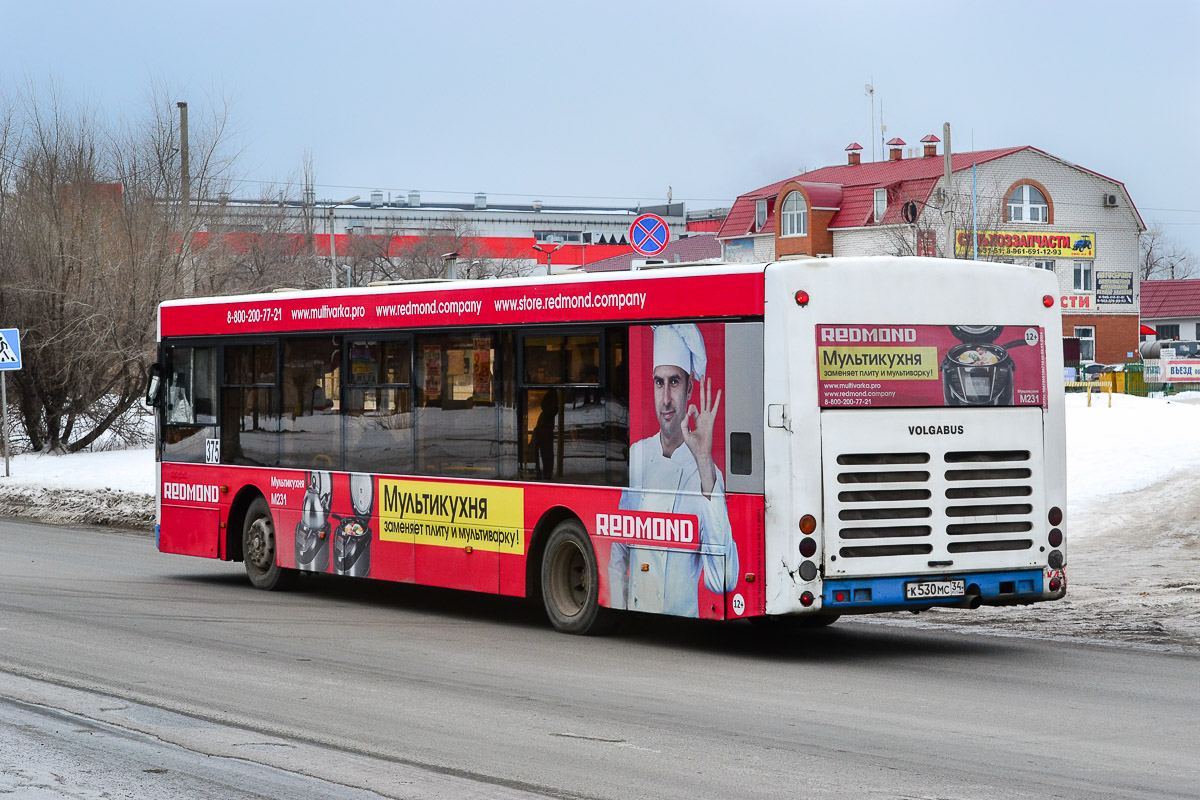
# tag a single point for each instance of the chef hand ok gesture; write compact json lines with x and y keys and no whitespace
{"x":700,"y":438}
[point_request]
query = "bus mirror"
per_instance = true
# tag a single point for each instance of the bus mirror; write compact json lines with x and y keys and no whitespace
{"x":154,"y":386}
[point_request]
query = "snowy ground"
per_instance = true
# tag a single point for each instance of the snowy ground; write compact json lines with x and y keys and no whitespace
{"x":1133,"y":478}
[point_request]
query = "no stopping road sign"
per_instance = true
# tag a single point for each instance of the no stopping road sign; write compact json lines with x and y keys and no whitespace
{"x":649,"y":234}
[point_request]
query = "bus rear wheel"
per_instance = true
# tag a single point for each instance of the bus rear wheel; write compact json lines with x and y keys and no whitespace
{"x":258,"y":550}
{"x":571,"y":582}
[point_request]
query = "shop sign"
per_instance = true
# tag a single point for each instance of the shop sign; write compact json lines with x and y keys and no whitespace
{"x":1027,"y":243}
{"x":1077,"y":301}
{"x":1114,"y":288}
{"x":1184,"y":370}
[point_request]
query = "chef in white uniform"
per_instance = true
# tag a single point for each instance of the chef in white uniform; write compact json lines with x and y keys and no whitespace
{"x":673,"y":472}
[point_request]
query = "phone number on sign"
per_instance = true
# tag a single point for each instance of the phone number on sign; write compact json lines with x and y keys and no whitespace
{"x":242,"y":316}
{"x":847,"y":401}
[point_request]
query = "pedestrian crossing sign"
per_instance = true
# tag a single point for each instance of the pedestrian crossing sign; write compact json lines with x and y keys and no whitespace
{"x":10,"y":349}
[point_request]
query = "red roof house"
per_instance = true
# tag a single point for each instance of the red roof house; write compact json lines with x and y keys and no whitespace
{"x":1172,"y":307}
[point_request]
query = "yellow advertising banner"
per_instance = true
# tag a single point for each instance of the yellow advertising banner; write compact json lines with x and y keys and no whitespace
{"x":452,"y":515}
{"x":878,"y":363}
{"x":1027,"y":243}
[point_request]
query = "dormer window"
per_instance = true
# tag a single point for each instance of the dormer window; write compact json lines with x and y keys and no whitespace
{"x":794,"y":219}
{"x":760,"y":214}
{"x":880,"y":204}
{"x":1026,"y":203}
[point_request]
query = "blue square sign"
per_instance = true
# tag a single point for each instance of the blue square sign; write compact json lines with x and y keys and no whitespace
{"x":10,"y":348}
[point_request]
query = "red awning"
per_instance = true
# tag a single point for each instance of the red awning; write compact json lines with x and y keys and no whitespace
{"x":1146,"y":329}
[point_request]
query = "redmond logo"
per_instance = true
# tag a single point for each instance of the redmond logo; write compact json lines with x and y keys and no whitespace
{"x":935,"y":430}
{"x":855,"y":334}
{"x":197,"y":493}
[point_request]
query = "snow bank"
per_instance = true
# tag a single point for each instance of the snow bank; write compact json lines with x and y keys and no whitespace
{"x":1135,"y":444}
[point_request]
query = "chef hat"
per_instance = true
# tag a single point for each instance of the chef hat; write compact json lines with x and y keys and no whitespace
{"x":680,"y":346}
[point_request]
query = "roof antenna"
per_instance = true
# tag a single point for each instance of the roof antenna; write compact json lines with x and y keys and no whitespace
{"x":871,"y":93}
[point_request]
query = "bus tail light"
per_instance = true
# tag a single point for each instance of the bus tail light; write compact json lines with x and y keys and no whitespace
{"x":808,"y":524}
{"x":802,"y":298}
{"x":807,"y":599}
{"x":1055,"y":516}
{"x":1048,"y":301}
{"x":808,"y":547}
{"x":1055,"y":537}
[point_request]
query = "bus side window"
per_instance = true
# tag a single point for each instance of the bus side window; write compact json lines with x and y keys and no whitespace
{"x":250,"y":406}
{"x":379,"y":409}
{"x":311,"y":424}
{"x":190,"y":402}
{"x":616,"y":391}
{"x":565,"y":430}
{"x":457,"y":424}
{"x":191,"y":386}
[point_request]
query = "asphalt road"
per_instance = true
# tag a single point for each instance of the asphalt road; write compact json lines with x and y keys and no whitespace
{"x":122,"y":666}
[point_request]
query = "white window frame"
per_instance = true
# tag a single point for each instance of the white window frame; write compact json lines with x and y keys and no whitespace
{"x":793,"y":219}
{"x":1086,"y":334}
{"x":1022,"y":209}
{"x":1083,"y":276}
{"x":880,"y":204}
{"x":760,"y":214}
{"x":1044,"y":264}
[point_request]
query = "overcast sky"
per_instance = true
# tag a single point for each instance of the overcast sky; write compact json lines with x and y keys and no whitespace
{"x":615,"y":102}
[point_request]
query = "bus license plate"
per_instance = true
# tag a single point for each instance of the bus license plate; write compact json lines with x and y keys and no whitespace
{"x":934,"y":590}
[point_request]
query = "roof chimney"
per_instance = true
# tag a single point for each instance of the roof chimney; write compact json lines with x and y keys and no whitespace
{"x":930,"y":143}
{"x":897,"y":151}
{"x":855,"y":157}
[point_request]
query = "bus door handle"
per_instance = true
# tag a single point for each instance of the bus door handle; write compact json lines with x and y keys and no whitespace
{"x":777,"y":416}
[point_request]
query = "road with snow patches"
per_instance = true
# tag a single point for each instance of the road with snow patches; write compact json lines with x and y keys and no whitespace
{"x":127,"y":673}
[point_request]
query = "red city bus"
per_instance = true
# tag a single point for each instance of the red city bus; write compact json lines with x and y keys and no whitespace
{"x":677,"y":440}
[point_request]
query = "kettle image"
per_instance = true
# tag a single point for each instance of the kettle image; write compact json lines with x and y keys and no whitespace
{"x":312,"y":531}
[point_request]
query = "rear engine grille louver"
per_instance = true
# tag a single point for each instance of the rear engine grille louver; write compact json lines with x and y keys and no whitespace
{"x":919,"y":504}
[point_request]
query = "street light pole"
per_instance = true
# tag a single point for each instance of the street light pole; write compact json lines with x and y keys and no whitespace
{"x":333,"y":280}
{"x":549,"y":262}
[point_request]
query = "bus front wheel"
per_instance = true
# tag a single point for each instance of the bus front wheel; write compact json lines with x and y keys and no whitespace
{"x":258,"y":550}
{"x":571,"y":582}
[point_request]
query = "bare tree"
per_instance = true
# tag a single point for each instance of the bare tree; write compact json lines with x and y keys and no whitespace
{"x":92,"y":237}
{"x":1163,"y":258}
{"x":389,"y":254}
{"x":985,"y":211}
{"x":255,"y":246}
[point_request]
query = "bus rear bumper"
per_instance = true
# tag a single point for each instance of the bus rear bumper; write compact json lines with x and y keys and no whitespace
{"x":870,"y":595}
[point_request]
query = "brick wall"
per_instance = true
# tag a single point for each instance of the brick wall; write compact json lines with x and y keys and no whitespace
{"x":1116,"y":334}
{"x":819,"y":240}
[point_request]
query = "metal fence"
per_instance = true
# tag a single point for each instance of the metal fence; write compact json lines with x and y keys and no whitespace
{"x":1129,"y":381}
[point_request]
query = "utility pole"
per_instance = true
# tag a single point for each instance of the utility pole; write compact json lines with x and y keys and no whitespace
{"x":185,"y":190}
{"x":948,"y":208}
{"x":185,"y":177}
